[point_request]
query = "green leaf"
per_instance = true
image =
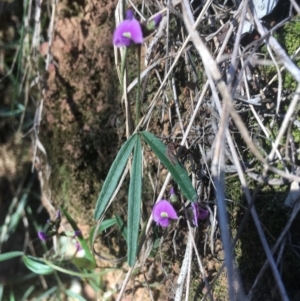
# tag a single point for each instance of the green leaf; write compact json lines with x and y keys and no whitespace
{"x":80,"y":238}
{"x":27,"y":293}
{"x":122,"y":226}
{"x":37,"y":265}
{"x":74,"y":295}
{"x":83,"y":263}
{"x":134,"y":203}
{"x":1,"y":290}
{"x":178,"y":173}
{"x":77,"y":274}
{"x":10,"y":255}
{"x":47,"y":294}
{"x":104,"y":225}
{"x":11,"y":295}
{"x":8,"y":112}
{"x":113,"y":176}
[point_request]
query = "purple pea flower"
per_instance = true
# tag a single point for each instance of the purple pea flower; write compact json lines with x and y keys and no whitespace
{"x":43,"y":236}
{"x":162,"y":212}
{"x":77,"y":233}
{"x":58,"y":214}
{"x":173,"y":196}
{"x":198,"y":213}
{"x":128,"y":31}
{"x":153,"y":24}
{"x":78,"y":246}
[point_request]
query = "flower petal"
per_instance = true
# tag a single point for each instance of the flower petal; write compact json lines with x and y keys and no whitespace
{"x":157,"y":19}
{"x":202,"y":213}
{"x":172,"y":190}
{"x":163,"y":206}
{"x":43,"y":236}
{"x":195,"y":213}
{"x":129,"y":14}
{"x":126,"y":32}
{"x":136,"y":32}
{"x":164,"y":222}
{"x":118,"y":39}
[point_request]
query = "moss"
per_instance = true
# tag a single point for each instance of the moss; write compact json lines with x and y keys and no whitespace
{"x":288,"y":37}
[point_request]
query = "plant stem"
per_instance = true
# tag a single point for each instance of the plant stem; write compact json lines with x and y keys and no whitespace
{"x":138,"y":95}
{"x":123,"y":64}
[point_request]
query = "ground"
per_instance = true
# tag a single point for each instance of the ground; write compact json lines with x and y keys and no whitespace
{"x":83,"y":127}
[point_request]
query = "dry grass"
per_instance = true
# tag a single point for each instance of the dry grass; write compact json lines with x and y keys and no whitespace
{"x":237,"y":121}
{"x":226,"y":100}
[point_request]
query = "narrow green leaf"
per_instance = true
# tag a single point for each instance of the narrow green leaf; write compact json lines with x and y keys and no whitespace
{"x":104,"y":225}
{"x":77,"y":274}
{"x":37,"y":265}
{"x":12,"y":295}
{"x":74,"y":295}
{"x":178,"y":173}
{"x":134,"y":203}
{"x":113,"y":176}
{"x":47,"y":294}
{"x":122,"y":227}
{"x":80,"y":238}
{"x":10,"y":255}
{"x":7,"y":112}
{"x":1,"y":290}
{"x":84,"y":263}
{"x":28,"y":293}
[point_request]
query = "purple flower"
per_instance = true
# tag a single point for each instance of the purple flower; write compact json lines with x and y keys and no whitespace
{"x":198,"y":213}
{"x":58,"y":215}
{"x":78,"y":246}
{"x":77,"y":233}
{"x":162,"y":212}
{"x":153,"y":24}
{"x":172,"y":191}
{"x":157,"y":19}
{"x":43,"y":236}
{"x":128,"y":31}
{"x":173,"y":196}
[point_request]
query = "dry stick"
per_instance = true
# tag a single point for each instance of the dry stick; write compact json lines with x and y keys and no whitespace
{"x":285,"y":123}
{"x":145,"y":118}
{"x":295,"y":72}
{"x":40,"y":107}
{"x":37,"y":121}
{"x":188,"y":278}
{"x":208,"y":61}
{"x":279,"y":92}
{"x":258,"y":119}
{"x":199,"y":103}
{"x":232,"y":68}
{"x":257,"y":223}
{"x":294,"y":55}
{"x":239,"y":232}
{"x":159,"y":34}
{"x":211,"y":66}
{"x":184,"y":268}
{"x":153,"y":102}
{"x":282,"y":235}
{"x":146,"y":71}
{"x":209,"y":292}
{"x":296,"y":6}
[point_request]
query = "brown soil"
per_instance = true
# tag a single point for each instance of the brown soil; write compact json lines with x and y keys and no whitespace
{"x":80,"y":106}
